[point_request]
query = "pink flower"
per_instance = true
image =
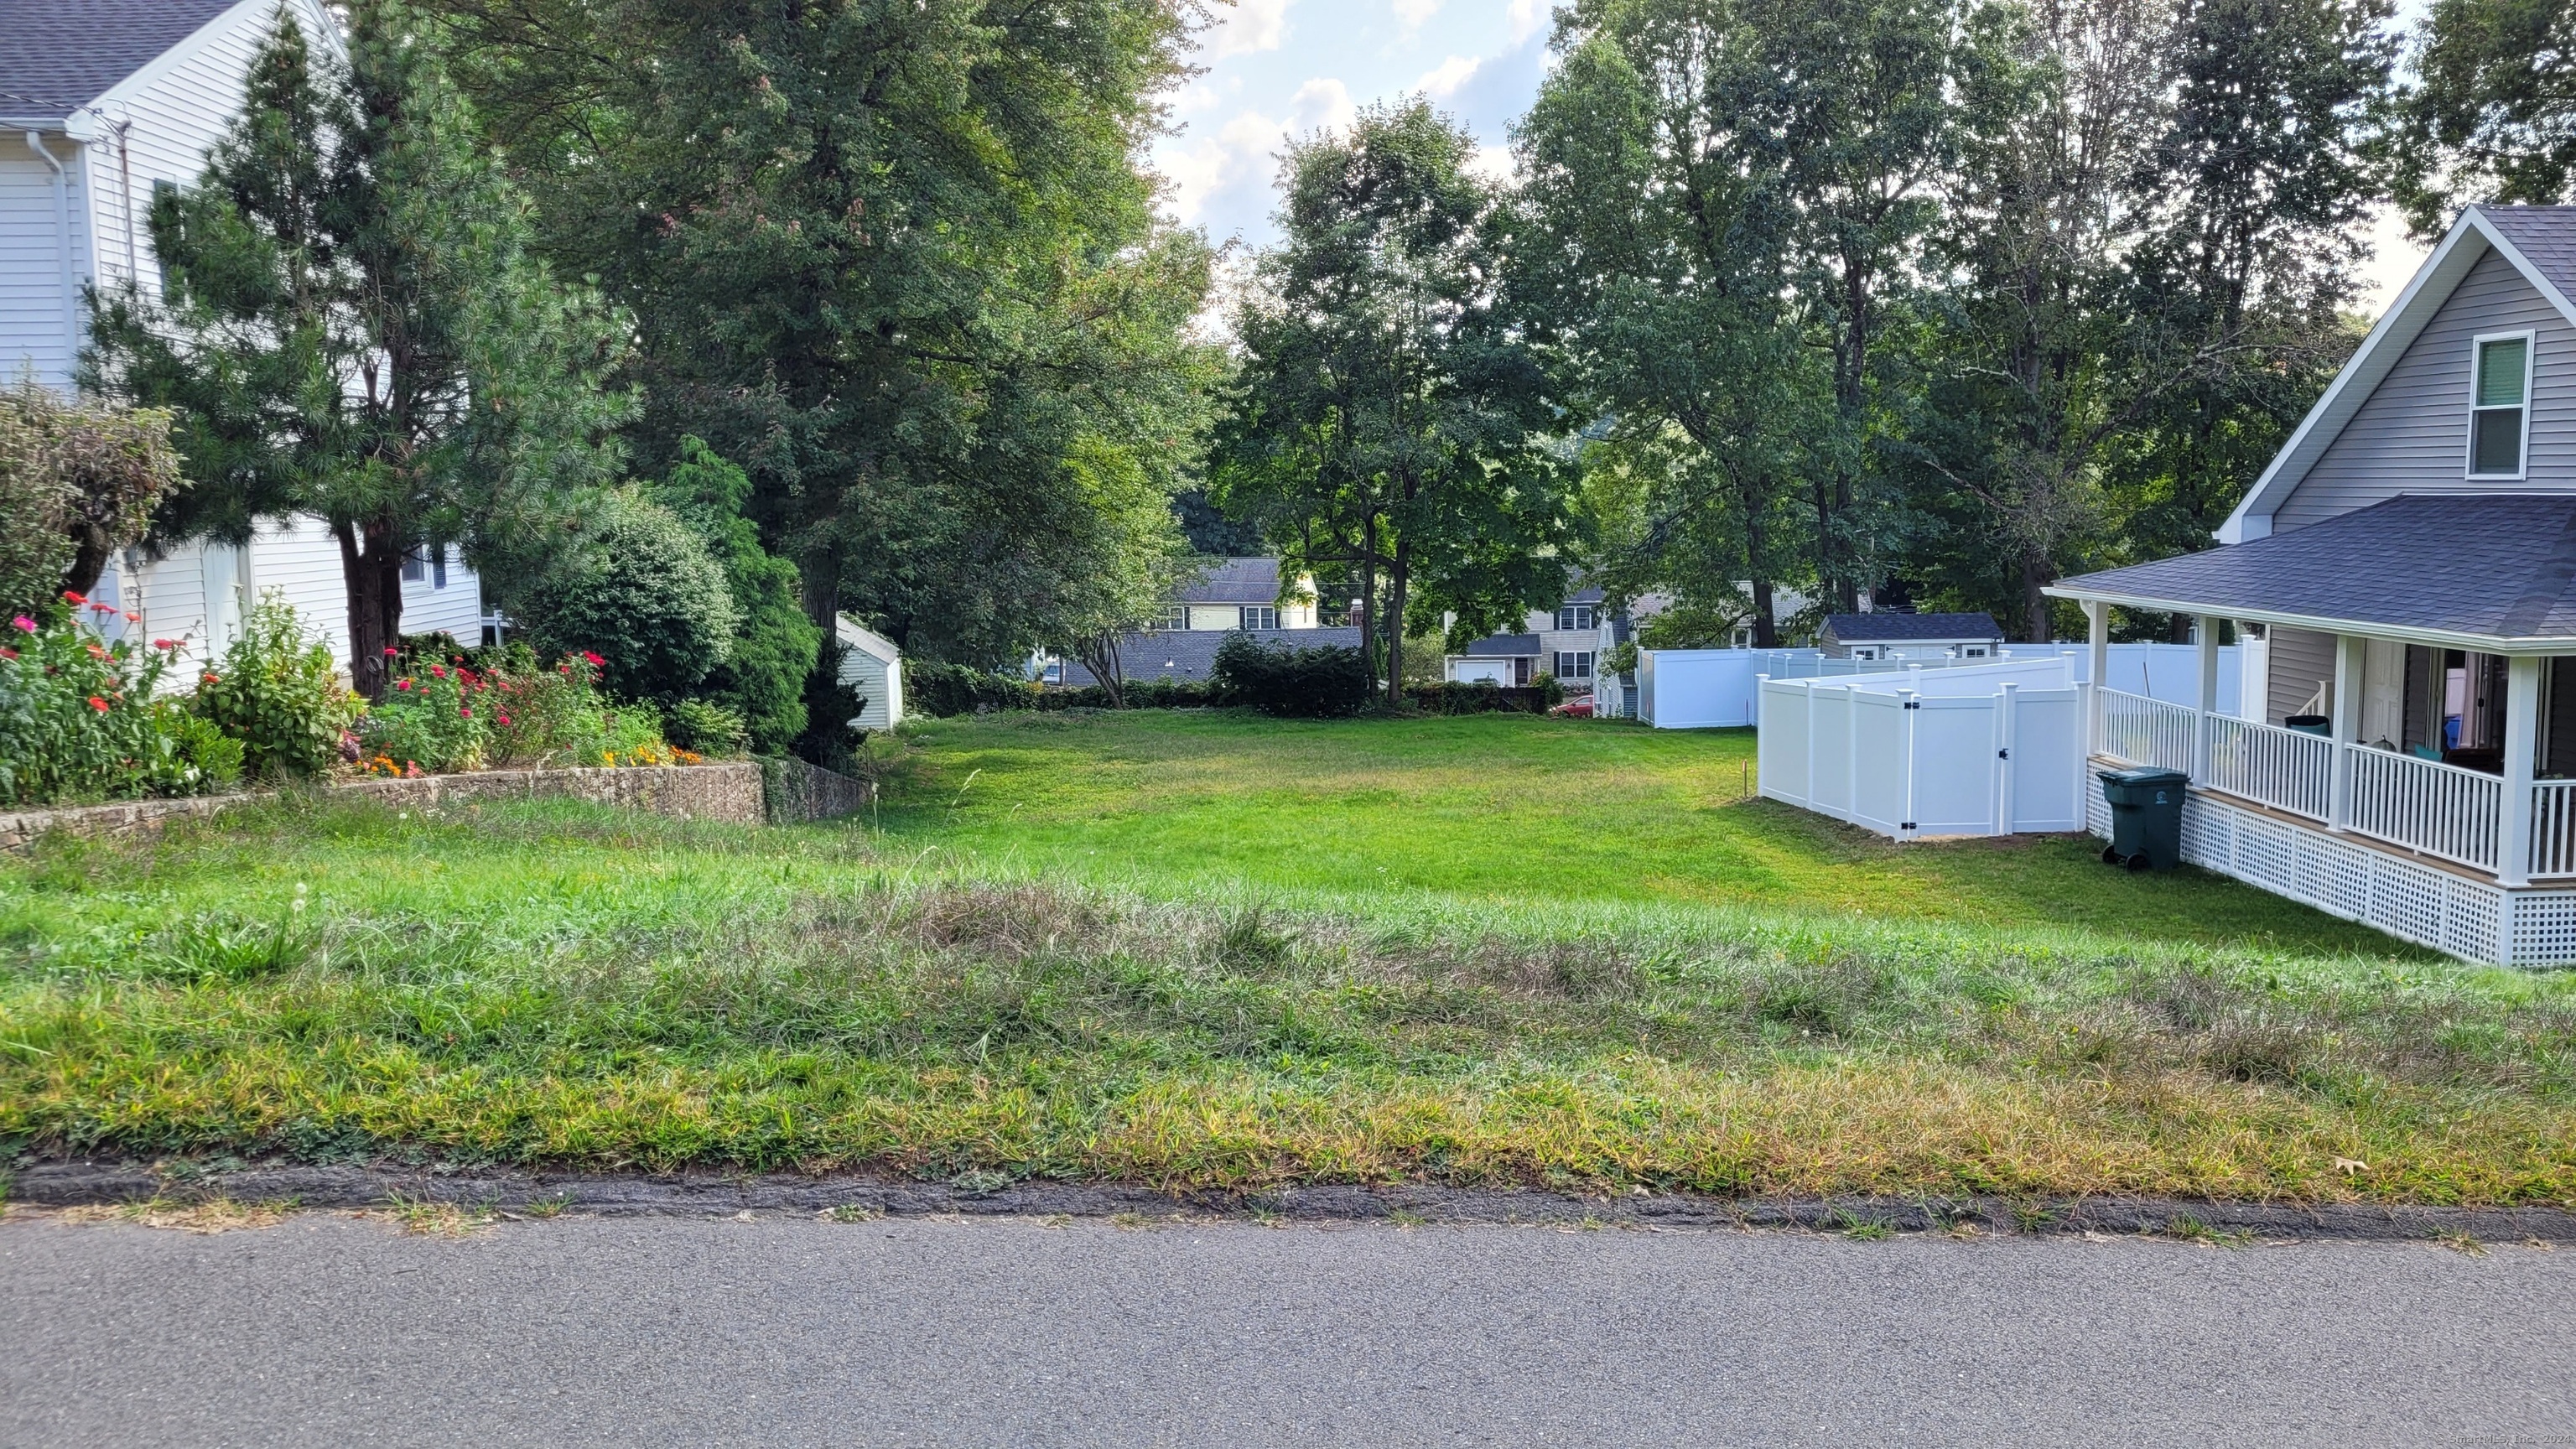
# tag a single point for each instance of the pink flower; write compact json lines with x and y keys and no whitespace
{"x":102,"y":608}
{"x":466,"y":712}
{"x":437,"y":671}
{"x":391,"y":651}
{"x":24,"y":624}
{"x":133,"y":618}
{"x":165,"y":643}
{"x":7,"y":653}
{"x":402,"y":684}
{"x":98,"y":704}
{"x":595,"y":661}
{"x":505,"y":720}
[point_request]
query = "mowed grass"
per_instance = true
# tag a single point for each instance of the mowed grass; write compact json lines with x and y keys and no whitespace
{"x":1206,"y":950}
{"x":1510,"y":809}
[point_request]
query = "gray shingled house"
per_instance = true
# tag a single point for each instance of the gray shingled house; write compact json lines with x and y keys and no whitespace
{"x":1892,"y":635}
{"x":2404,"y":578}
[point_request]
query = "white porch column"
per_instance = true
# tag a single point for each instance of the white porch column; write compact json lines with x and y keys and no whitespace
{"x":2208,"y":627}
{"x":2347,"y":728}
{"x":2521,"y":747}
{"x":2097,"y":617}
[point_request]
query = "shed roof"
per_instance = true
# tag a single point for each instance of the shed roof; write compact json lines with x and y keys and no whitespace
{"x":1894,"y":627}
{"x":61,"y":55}
{"x":2470,"y":570}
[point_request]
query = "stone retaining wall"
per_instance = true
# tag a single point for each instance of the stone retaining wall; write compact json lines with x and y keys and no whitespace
{"x":743,"y":793}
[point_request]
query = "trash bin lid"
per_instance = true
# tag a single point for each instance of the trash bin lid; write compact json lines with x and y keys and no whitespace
{"x":2144,"y":777}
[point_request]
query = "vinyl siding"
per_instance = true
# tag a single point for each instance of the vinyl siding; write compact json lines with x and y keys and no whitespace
{"x":2411,"y":435}
{"x":2300,"y":661}
{"x":33,"y":332}
{"x":456,"y":610}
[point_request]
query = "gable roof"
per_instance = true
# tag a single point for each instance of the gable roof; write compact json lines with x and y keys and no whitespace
{"x":1893,"y":627}
{"x":1504,"y":646}
{"x":2505,"y":573}
{"x":1234,"y":581}
{"x":1185,"y":654}
{"x":855,"y":635}
{"x":62,"y":55}
{"x":2539,"y":242}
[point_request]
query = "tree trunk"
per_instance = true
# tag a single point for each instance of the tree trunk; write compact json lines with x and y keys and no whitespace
{"x":1398,"y":578}
{"x":1368,"y":588}
{"x":371,"y":571}
{"x":1766,"y":629}
{"x":2036,"y":575}
{"x":1101,"y":655}
{"x":90,"y":553}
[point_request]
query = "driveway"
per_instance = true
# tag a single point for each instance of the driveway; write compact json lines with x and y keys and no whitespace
{"x":332,"y":1329}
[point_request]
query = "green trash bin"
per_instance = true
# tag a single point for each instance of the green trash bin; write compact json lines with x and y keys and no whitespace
{"x":2146,"y":818}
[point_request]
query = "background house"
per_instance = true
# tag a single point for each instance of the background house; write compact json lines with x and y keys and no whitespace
{"x":1566,"y":641}
{"x":1891,"y":635}
{"x":101,"y":103}
{"x":1231,"y":596}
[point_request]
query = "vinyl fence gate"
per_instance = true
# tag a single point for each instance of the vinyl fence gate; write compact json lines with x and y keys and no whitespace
{"x":1939,"y":754}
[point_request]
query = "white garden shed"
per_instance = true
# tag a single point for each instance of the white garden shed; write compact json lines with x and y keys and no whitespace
{"x":872,"y":665}
{"x":1989,"y":750}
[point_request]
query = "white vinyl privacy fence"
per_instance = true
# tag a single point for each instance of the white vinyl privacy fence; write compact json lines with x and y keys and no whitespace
{"x":1687,"y":689}
{"x":1987,"y":750}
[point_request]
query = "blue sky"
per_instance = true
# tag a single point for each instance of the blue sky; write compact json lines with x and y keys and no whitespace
{"x":1279,"y":67}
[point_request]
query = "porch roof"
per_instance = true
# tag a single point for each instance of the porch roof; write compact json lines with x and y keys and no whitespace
{"x":2494,"y":572}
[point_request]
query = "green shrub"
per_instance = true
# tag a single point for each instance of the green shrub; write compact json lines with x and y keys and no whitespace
{"x":279,"y":694}
{"x":640,"y":591}
{"x":764,"y":677}
{"x":1483,"y":697}
{"x":705,"y":728}
{"x":1139,"y":694}
{"x":935,"y":688}
{"x":829,"y":739}
{"x":1328,"y":681}
{"x":78,"y":720}
{"x":217,"y":756}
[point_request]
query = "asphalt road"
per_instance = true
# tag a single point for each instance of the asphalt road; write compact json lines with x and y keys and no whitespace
{"x":335,"y":1330}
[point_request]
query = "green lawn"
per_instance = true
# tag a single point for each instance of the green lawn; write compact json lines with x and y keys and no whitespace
{"x":1198,"y":948}
{"x":1509,"y":809}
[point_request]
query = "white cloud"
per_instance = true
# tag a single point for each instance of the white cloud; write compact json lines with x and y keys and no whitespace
{"x":1495,"y":163}
{"x":1249,"y":26}
{"x":1444,"y":79}
{"x":1411,"y":13}
{"x":1524,"y":19}
{"x":1238,"y":151}
{"x":1322,"y":104}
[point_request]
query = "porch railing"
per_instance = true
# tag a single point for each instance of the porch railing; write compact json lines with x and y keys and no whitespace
{"x":2553,"y":827}
{"x":2285,"y":769}
{"x":2147,"y":731}
{"x":2425,"y":805}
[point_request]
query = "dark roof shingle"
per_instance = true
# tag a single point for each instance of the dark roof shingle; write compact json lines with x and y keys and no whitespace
{"x":1503,"y":646}
{"x":1187,"y":654}
{"x":57,"y":56}
{"x":1234,"y":581}
{"x":1880,"y":626}
{"x":2489,"y":565}
{"x":2545,"y":235}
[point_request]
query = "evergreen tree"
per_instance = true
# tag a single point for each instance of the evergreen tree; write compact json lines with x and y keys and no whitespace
{"x":354,"y":326}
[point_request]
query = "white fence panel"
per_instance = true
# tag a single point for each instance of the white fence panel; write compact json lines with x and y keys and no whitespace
{"x":1955,"y":748}
{"x":1696,"y":689}
{"x":1785,"y":744}
{"x":2046,"y":771}
{"x":1830,"y":727}
{"x":1881,"y":774}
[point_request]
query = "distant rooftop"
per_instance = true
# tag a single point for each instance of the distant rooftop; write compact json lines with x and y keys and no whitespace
{"x":1235,"y":581}
{"x":1887,"y":627}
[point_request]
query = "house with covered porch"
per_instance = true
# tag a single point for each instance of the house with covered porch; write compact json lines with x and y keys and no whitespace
{"x":2404,"y":578}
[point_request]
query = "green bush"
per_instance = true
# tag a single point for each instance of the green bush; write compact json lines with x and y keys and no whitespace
{"x":1484,"y":697}
{"x":1327,"y":681}
{"x":763,"y":679}
{"x":933,"y":688}
{"x":78,"y":720}
{"x":1139,"y":694}
{"x":640,"y":591}
{"x":278,"y":693}
{"x":705,"y":728}
{"x":430,"y":719}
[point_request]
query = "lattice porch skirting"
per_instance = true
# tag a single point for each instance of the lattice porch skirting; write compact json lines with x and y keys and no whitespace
{"x":2472,"y":919}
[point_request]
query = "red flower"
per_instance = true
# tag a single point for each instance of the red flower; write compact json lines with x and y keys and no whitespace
{"x":102,"y":608}
{"x":165,"y":643}
{"x":438,"y":671}
{"x":7,"y":653}
{"x":391,"y":651}
{"x":98,"y":704}
{"x":71,"y":598}
{"x":465,"y":712}
{"x":211,"y":678}
{"x":595,"y":661}
{"x":505,"y":721}
{"x":402,"y":684}
{"x":133,"y":618}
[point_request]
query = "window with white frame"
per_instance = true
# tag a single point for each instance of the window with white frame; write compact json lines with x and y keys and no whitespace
{"x":1260,"y":616}
{"x":1169,"y":618}
{"x":1571,"y":617}
{"x":1574,"y":664}
{"x":2499,"y":405}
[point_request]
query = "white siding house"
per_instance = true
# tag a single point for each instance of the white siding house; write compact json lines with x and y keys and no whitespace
{"x":2405,"y":576}
{"x":100,"y":102}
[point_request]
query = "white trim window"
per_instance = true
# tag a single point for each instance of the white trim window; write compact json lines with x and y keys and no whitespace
{"x":2500,"y":404}
{"x":1170,"y":619}
{"x":1574,"y":664}
{"x":1571,"y":618}
{"x":1259,"y":616}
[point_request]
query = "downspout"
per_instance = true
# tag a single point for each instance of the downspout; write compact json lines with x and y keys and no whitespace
{"x":63,"y":243}
{"x":125,"y":203}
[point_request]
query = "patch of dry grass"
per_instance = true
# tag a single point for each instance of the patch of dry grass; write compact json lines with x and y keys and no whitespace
{"x":210,"y":1215}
